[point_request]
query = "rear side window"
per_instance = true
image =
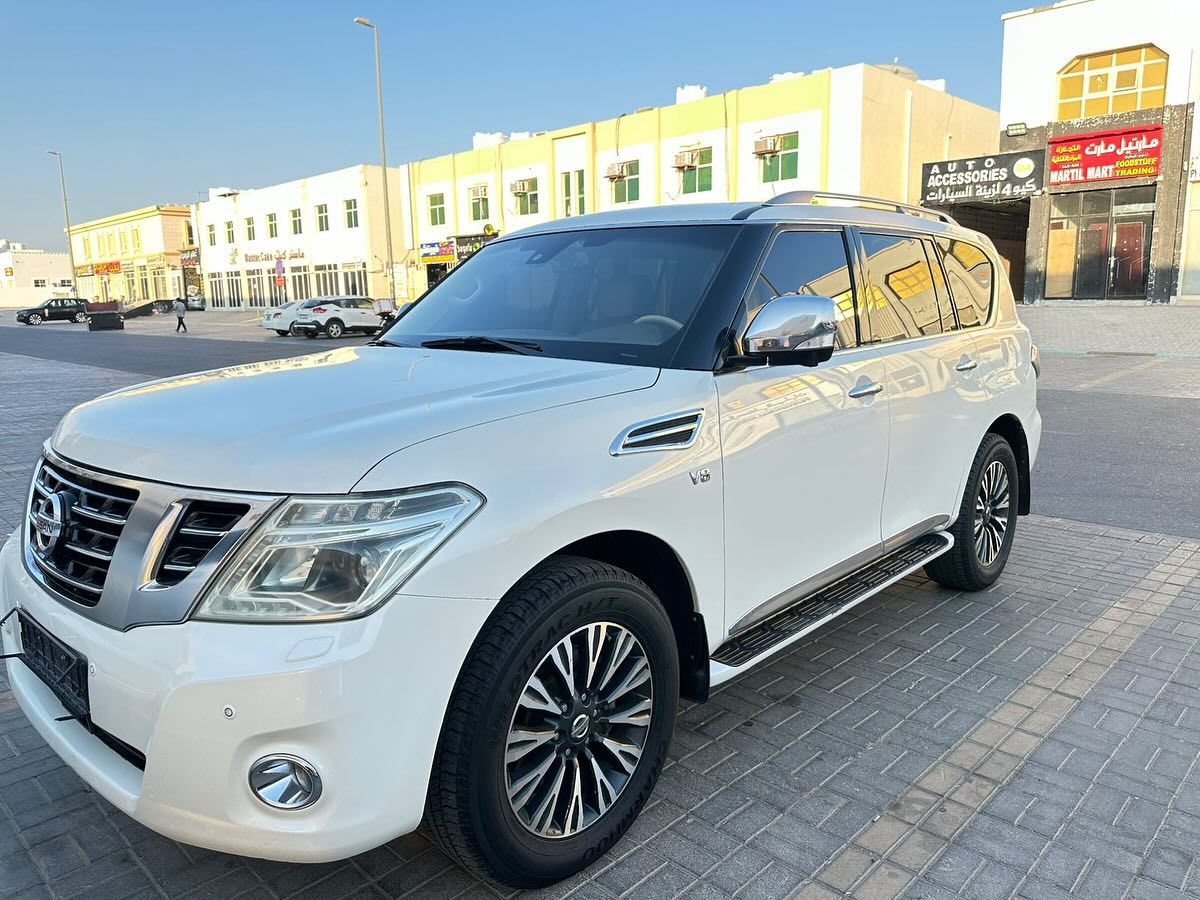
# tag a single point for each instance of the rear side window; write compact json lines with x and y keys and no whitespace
{"x":903,"y":300}
{"x":945,"y":304}
{"x":814,"y":263}
{"x":971,"y":280}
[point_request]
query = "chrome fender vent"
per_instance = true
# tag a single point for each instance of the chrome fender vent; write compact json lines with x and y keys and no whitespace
{"x":671,"y":432}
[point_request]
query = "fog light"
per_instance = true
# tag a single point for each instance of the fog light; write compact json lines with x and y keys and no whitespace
{"x":285,"y":782}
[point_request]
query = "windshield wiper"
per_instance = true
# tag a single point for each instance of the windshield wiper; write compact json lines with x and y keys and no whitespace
{"x":482,"y":342}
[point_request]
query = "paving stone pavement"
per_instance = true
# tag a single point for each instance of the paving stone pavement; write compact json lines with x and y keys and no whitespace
{"x":1135,"y":328}
{"x":1037,"y":740}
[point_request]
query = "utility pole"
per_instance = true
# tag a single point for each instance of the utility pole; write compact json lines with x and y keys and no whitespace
{"x":387,"y":201}
{"x":67,"y":216}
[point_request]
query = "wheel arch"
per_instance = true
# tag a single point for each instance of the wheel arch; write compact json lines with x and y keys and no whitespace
{"x":654,"y":561}
{"x":1010,"y":428}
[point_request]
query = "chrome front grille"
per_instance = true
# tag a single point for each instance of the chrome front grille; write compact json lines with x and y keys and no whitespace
{"x":76,"y":562}
{"x":201,"y":526}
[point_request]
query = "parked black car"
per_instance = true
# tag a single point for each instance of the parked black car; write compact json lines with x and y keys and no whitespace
{"x":58,"y":309}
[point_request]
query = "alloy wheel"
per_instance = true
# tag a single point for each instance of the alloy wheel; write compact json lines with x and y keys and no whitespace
{"x":991,"y":512}
{"x":578,"y":731}
{"x":35,"y":319}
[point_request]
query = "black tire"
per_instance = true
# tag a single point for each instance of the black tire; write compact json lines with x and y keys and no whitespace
{"x":334,"y":328}
{"x":311,"y":335}
{"x":281,"y":332}
{"x":468,"y":803}
{"x":961,"y":568}
{"x":35,"y":319}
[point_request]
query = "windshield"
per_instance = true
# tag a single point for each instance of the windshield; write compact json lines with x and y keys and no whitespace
{"x":622,"y":295}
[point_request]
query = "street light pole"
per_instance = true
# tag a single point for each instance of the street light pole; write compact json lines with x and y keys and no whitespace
{"x":67,"y":215}
{"x":387,"y":202}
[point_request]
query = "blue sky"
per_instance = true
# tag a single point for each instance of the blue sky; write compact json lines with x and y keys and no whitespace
{"x":156,"y":102}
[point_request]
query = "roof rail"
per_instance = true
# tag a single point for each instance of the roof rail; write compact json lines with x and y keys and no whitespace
{"x":811,"y":197}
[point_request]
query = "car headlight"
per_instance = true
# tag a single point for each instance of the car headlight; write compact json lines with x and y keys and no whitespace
{"x":320,"y":558}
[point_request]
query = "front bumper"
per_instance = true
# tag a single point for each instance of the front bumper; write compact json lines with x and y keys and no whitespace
{"x":362,"y":700}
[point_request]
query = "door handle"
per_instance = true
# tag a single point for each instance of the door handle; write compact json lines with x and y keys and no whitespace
{"x":865,"y":390}
{"x":966,"y":364}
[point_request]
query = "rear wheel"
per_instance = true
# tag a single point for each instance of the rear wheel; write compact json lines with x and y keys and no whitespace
{"x":558,"y":726}
{"x":281,"y":332}
{"x":987,"y":521}
{"x":334,"y":328}
{"x":80,"y":317}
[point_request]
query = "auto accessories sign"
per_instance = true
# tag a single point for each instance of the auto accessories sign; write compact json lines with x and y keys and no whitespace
{"x":1001,"y":176}
{"x":1106,"y":156}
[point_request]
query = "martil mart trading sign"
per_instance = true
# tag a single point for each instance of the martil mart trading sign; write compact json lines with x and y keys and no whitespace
{"x":1106,"y":156}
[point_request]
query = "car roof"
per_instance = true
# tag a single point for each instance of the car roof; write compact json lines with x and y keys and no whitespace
{"x":797,"y":207}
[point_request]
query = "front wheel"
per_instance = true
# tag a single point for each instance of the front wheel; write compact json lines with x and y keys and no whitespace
{"x":80,"y":318}
{"x":34,"y":319}
{"x":987,"y":521}
{"x":558,"y":726}
{"x":334,"y":329}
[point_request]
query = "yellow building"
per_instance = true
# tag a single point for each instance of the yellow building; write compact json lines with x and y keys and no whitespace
{"x":132,"y":256}
{"x":857,"y":129}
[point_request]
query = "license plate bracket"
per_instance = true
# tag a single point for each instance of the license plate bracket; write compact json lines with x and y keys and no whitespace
{"x":62,"y":669}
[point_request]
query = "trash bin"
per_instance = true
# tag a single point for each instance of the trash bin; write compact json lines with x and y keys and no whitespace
{"x":106,"y":321}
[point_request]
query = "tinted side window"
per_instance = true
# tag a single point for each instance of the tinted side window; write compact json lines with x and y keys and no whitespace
{"x":814,"y":263}
{"x":971,"y":276}
{"x":945,"y":305}
{"x":902,"y":301}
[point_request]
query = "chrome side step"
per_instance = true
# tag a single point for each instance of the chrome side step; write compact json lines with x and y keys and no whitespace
{"x":755,"y":644}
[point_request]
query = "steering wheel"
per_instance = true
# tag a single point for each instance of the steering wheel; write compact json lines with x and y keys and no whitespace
{"x":658,"y":320}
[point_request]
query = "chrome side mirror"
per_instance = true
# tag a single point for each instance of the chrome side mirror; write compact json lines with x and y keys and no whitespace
{"x":793,"y":328}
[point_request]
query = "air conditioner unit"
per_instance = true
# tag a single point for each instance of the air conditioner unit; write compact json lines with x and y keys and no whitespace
{"x":478,"y":192}
{"x":522,"y":186}
{"x":617,"y":171}
{"x":687,"y":159}
{"x":767,"y":146}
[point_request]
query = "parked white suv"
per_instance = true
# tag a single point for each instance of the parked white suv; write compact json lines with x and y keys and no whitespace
{"x":334,"y":316}
{"x":607,"y":462}
{"x":281,"y":318}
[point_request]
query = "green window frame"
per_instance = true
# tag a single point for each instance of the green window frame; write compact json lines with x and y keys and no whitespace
{"x":628,"y":189}
{"x":351,"y":213}
{"x":228,"y":232}
{"x":272,"y":225}
{"x":250,"y":233}
{"x":297,"y":223}
{"x":479,"y":209}
{"x":699,"y":179}
{"x":573,"y":193}
{"x":322,"y":217}
{"x":437,"y":209}
{"x":785,"y":164}
{"x":527,"y":204}
{"x":212,"y":235}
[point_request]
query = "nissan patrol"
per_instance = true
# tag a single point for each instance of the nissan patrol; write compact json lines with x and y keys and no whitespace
{"x":607,"y":462}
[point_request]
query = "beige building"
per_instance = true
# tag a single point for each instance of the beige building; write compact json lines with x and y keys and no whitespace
{"x":29,"y":276}
{"x":132,"y":256}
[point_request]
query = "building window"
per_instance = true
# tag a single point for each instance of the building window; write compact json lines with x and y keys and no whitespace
{"x":437,"y":209}
{"x":300,"y":283}
{"x":1113,"y":82}
{"x":124,"y":237}
{"x":215,"y":295}
{"x":254,"y":287}
{"x":479,"y":204}
{"x":137,"y":240}
{"x":297,"y":227}
{"x":354,"y":277}
{"x":527,"y":203}
{"x":326,"y":278}
{"x":572,"y":193}
{"x":250,"y":228}
{"x":229,"y":232}
{"x":322,"y":217}
{"x":272,"y":225}
{"x":233,"y":288}
{"x":628,"y":188}
{"x":39,"y":282}
{"x":159,"y":277}
{"x":212,"y":235}
{"x":784,"y":163}
{"x":87,"y":248}
{"x":187,"y":230}
{"x":698,"y":179}
{"x":351,"y":213}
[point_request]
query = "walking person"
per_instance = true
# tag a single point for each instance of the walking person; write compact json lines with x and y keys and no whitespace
{"x":180,"y":310}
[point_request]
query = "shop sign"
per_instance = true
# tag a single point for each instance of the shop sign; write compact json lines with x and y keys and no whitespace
{"x":467,"y":244}
{"x":189,"y":258}
{"x":438,"y":252}
{"x":1106,"y":156}
{"x":8,"y":271}
{"x":106,"y":268}
{"x":272,"y":256}
{"x":83,"y":271}
{"x":1001,"y":176}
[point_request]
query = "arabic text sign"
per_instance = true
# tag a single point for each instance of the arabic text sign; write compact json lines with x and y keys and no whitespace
{"x":1000,"y":176}
{"x":438,"y":252}
{"x":1106,"y":155}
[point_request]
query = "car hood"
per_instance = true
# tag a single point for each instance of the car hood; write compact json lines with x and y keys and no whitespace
{"x":317,"y":424}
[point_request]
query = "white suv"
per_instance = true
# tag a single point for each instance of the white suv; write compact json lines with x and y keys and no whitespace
{"x":334,"y":316}
{"x":607,"y":462}
{"x":281,"y":318}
